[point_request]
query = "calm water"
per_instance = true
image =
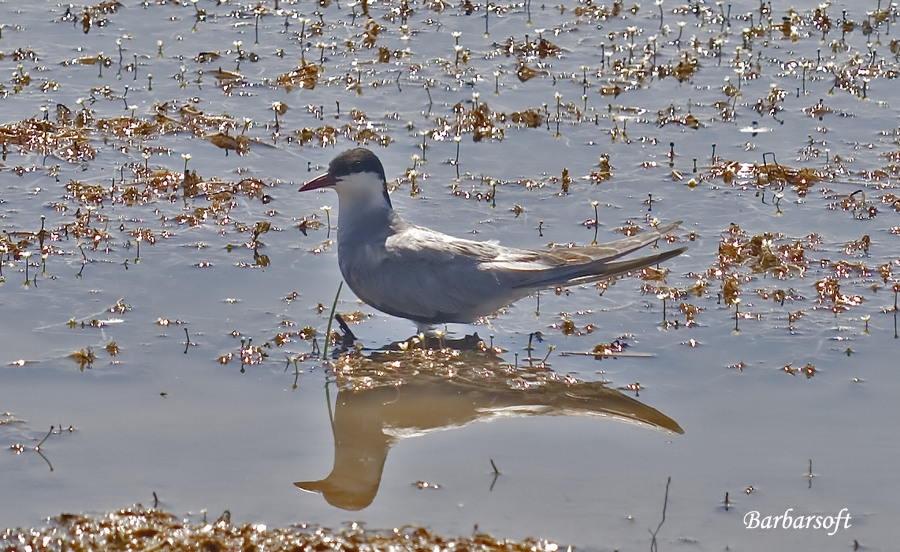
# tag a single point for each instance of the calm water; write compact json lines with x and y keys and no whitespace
{"x":791,"y":410}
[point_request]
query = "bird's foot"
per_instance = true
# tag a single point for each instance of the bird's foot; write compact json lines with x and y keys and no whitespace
{"x":347,"y":339}
{"x":438,"y":341}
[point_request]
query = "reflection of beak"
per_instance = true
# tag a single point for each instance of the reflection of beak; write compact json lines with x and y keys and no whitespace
{"x":319,"y":182}
{"x":360,"y":446}
{"x":344,"y":495}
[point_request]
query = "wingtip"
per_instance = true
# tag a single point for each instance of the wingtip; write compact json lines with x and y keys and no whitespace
{"x":668,"y":227}
{"x":670,"y":254}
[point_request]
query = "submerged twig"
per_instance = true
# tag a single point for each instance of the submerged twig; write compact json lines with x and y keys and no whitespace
{"x":663,"y":520}
{"x":496,"y":474}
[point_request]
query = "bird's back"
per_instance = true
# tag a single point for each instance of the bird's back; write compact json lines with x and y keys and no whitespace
{"x":423,"y":275}
{"x":430,"y":278}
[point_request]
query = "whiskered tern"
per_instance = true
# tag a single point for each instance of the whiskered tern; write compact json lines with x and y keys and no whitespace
{"x":431,"y":278}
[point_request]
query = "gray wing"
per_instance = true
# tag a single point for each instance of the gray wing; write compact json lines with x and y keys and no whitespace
{"x":430,"y":277}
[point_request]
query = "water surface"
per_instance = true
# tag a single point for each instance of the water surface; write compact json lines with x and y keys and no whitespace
{"x":762,"y":396}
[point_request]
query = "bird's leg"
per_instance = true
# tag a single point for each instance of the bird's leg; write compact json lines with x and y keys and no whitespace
{"x":348,"y":339}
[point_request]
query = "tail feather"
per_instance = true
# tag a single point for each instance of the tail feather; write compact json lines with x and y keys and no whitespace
{"x":597,"y":262}
{"x":624,"y":246}
{"x":596,"y":270}
{"x":611,"y":269}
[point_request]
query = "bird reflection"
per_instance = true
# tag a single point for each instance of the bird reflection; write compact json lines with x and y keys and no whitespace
{"x":388,"y":396}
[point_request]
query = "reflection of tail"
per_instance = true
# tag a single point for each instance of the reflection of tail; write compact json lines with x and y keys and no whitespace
{"x":367,"y":422}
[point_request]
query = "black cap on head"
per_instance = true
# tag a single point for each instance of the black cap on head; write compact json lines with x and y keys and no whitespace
{"x":358,"y":160}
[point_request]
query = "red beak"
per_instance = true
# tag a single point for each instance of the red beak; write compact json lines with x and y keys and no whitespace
{"x":322,"y":181}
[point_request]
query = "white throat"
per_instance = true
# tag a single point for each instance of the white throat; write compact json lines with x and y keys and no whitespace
{"x":363,"y":203}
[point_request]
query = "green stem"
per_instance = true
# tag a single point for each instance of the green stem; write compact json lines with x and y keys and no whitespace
{"x":330,"y":320}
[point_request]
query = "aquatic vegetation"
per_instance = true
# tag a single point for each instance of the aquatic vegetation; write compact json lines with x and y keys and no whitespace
{"x":84,"y":358}
{"x":637,"y":50}
{"x":146,"y":529}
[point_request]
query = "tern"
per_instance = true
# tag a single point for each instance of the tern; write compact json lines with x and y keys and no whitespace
{"x":431,"y":278}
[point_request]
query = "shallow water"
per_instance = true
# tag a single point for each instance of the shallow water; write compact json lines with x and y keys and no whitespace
{"x":164,"y":415}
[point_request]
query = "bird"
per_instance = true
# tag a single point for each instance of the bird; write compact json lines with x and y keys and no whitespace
{"x":431,"y":278}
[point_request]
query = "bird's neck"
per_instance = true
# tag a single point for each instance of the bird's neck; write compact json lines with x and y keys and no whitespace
{"x":364,"y":219}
